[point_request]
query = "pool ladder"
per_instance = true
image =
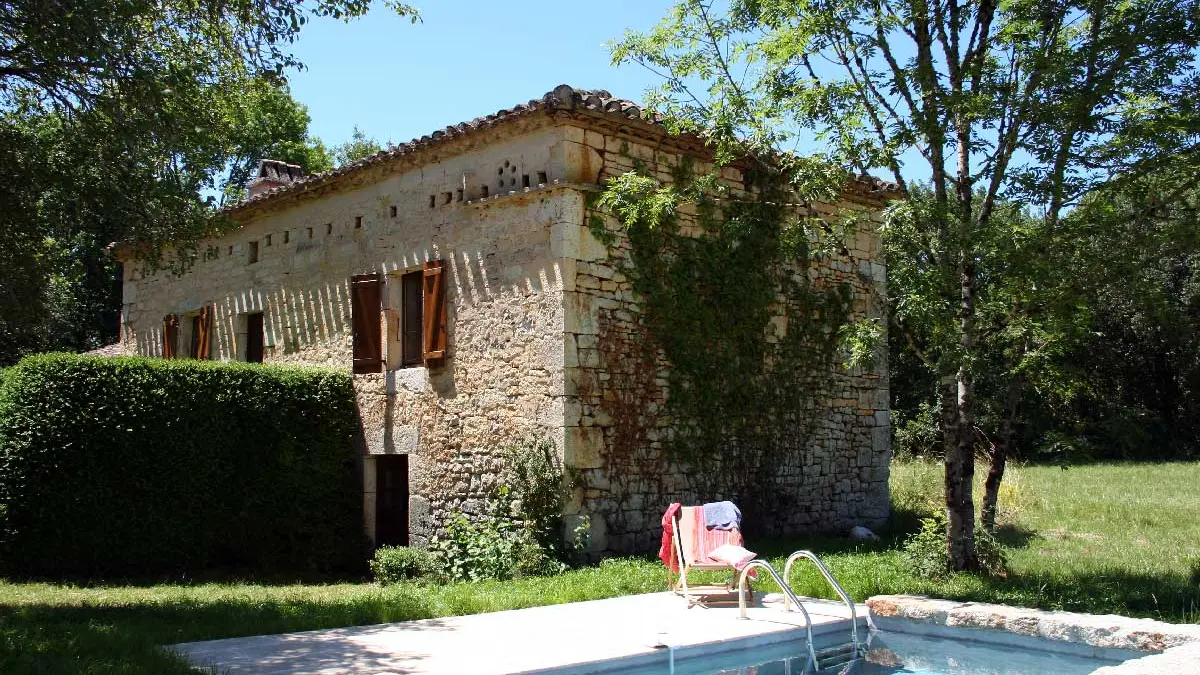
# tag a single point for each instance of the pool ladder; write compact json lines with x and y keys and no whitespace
{"x":830,"y":657}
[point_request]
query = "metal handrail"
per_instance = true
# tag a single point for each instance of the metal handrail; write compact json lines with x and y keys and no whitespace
{"x":789,"y":597}
{"x":787,"y":593}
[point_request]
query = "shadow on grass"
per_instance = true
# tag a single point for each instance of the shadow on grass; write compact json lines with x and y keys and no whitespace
{"x":1015,"y":536}
{"x":51,"y":639}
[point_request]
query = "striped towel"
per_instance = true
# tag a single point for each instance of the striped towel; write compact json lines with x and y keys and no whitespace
{"x":698,"y":541}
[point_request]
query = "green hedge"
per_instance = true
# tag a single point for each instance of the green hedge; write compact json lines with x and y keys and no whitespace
{"x":144,"y":467}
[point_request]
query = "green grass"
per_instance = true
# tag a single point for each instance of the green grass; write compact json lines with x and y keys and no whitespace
{"x":1104,"y":538}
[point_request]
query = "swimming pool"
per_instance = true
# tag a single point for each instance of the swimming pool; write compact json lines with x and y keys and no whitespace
{"x":896,"y":654}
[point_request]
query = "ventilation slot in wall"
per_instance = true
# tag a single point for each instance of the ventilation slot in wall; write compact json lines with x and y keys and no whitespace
{"x":268,"y":240}
{"x":252,"y":253}
{"x":483,"y":191}
{"x":432,"y":201}
{"x":541,"y":178}
{"x":357,"y":222}
{"x":525,"y":180}
{"x":287,"y":236}
{"x":392,"y":211}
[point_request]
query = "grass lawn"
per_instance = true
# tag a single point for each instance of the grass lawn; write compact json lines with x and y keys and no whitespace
{"x":1107,"y":538}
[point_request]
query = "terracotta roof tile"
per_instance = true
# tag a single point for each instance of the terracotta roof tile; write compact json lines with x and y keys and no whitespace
{"x":562,"y":97}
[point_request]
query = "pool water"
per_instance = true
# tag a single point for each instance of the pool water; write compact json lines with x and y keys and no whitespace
{"x":895,"y":654}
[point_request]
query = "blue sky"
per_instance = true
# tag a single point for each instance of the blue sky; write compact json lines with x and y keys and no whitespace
{"x":397,"y":80}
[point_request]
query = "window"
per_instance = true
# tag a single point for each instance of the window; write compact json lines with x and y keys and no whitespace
{"x":357,"y":222}
{"x":252,"y":253}
{"x":254,"y":337}
{"x":366,"y":307}
{"x":412,"y":352}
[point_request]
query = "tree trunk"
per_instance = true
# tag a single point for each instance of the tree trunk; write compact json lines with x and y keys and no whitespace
{"x":991,"y":486}
{"x":958,"y":414}
{"x":960,"y":474}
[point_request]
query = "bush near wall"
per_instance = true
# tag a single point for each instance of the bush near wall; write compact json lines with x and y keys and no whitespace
{"x":145,"y":467}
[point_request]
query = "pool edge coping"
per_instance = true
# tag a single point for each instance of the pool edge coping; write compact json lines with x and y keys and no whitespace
{"x":1164,"y":644}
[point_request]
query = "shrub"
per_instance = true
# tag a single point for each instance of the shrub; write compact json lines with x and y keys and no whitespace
{"x":145,"y":467}
{"x":925,"y":551}
{"x":535,"y":490}
{"x":522,"y":533}
{"x":393,"y":564}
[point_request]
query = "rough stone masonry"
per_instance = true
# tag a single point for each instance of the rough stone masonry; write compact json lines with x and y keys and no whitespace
{"x":530,"y":296}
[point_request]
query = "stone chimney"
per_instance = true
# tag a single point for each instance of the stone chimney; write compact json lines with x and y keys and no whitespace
{"x":271,"y":174}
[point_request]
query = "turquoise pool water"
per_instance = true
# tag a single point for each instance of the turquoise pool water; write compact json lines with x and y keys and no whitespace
{"x":896,"y":654}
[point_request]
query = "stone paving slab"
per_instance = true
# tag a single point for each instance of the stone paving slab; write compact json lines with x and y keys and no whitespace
{"x":576,"y":637}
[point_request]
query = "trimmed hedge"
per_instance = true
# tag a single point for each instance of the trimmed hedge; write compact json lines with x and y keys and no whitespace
{"x":143,"y":467}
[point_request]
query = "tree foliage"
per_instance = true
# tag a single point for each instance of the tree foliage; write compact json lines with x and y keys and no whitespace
{"x":360,"y":146}
{"x":1028,"y":103}
{"x":122,"y":121}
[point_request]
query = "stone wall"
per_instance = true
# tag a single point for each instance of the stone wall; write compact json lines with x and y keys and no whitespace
{"x":834,"y":451}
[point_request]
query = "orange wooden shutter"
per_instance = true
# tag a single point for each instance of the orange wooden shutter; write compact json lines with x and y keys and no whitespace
{"x":204,"y":339}
{"x":366,"y":304}
{"x":170,"y":333}
{"x":434,"y":339}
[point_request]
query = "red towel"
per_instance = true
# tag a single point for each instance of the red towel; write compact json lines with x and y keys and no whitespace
{"x":666,"y":552}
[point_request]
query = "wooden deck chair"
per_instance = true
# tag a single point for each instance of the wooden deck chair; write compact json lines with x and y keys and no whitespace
{"x":693,"y":543}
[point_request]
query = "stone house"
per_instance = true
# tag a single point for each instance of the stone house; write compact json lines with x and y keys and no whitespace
{"x":459,"y":276}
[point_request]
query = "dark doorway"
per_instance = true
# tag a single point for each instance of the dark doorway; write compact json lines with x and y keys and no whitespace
{"x":391,"y":500}
{"x":254,"y":338}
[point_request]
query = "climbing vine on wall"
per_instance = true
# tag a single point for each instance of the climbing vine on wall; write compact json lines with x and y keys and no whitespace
{"x":732,"y":326}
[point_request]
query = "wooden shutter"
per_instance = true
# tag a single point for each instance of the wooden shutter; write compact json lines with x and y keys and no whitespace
{"x":434,"y":342}
{"x":203,"y":338}
{"x":170,"y":335}
{"x":366,"y":304}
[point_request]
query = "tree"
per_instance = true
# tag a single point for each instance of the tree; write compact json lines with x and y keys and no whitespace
{"x":1037,"y":103}
{"x":265,"y":122}
{"x":117,"y":121}
{"x":360,"y":146}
